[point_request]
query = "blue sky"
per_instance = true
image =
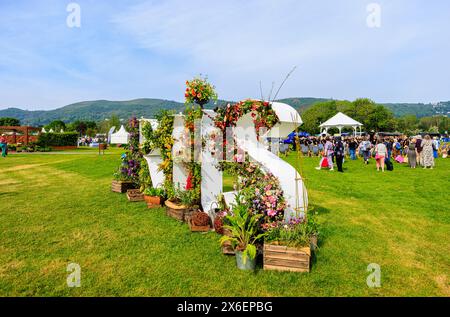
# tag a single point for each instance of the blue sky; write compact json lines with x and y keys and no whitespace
{"x":137,"y":49}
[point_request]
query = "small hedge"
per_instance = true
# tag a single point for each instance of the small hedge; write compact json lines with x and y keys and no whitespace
{"x":58,"y":139}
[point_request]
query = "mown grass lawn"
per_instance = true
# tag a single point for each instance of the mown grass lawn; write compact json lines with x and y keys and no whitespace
{"x":57,"y":209}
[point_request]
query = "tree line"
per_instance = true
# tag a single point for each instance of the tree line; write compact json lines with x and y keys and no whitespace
{"x":373,"y":116}
{"x":83,"y":127}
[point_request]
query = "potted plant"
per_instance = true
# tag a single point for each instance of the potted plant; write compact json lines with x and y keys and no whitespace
{"x":200,"y":91}
{"x":220,"y":213}
{"x":244,"y":233}
{"x":181,"y":204}
{"x":153,"y":197}
{"x":127,"y":175}
{"x":288,"y":245}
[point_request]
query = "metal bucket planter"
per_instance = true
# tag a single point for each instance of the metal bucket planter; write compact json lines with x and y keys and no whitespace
{"x":249,"y":264}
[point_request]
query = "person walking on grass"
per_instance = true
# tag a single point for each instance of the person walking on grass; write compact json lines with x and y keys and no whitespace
{"x":436,"y":146}
{"x":419,"y":149}
{"x":352,"y":145}
{"x":338,"y":151}
{"x":3,"y":145}
{"x":366,"y":145}
{"x":427,"y":152}
{"x":329,"y":152}
{"x":380,"y":154}
{"x":412,"y":153}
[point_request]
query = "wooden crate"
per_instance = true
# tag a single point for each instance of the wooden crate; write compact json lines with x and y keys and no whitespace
{"x":178,"y":212}
{"x":121,"y":186}
{"x":195,"y":228}
{"x":282,"y":258}
{"x":135,"y":195}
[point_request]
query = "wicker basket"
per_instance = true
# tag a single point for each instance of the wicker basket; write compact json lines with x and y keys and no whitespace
{"x":135,"y":195}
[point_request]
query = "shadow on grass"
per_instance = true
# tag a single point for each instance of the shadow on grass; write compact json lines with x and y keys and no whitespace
{"x":9,"y":194}
{"x":316,"y":209}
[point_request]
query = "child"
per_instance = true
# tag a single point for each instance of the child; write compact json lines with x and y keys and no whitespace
{"x":323,"y":162}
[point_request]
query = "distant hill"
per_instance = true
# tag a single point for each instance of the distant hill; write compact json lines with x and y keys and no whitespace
{"x":419,"y":109}
{"x":102,"y":109}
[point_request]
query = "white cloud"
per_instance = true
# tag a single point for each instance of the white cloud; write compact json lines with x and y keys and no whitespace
{"x":149,"y":48}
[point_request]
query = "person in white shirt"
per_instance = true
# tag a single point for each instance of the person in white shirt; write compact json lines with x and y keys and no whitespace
{"x":380,"y":154}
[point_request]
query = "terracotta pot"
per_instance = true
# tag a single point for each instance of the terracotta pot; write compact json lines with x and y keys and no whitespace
{"x":152,"y":201}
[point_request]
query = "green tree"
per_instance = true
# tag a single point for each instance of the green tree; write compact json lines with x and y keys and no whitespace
{"x":82,"y":126}
{"x":56,"y":125}
{"x":114,"y":121}
{"x":371,"y":115}
{"x":12,"y":122}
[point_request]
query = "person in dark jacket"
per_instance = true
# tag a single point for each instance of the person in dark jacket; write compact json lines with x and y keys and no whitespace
{"x":339,"y":153}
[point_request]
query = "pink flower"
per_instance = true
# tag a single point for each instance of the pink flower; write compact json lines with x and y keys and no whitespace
{"x":271,"y":213}
{"x":273,"y":199}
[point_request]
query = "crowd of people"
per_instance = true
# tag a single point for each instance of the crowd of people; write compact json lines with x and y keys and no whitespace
{"x":415,"y":151}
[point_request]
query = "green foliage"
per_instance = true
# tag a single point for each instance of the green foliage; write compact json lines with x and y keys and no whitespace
{"x":114,"y":121}
{"x":155,"y":192}
{"x":373,"y":116}
{"x":82,"y":126}
{"x":295,"y":233}
{"x":102,"y":109}
{"x":145,"y":179}
{"x":7,"y":121}
{"x":130,"y":166}
{"x":199,"y":91}
{"x":243,"y":226}
{"x":161,"y":139}
{"x":56,"y":125}
{"x":188,"y":198}
{"x":58,"y":139}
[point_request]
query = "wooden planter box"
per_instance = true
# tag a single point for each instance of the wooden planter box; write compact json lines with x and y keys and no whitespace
{"x":135,"y":195}
{"x":153,"y":201}
{"x":282,"y":258}
{"x":176,"y":211}
{"x":121,"y":186}
{"x":195,"y":228}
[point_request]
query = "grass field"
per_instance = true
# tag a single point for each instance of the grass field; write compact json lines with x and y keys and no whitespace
{"x":57,"y":209}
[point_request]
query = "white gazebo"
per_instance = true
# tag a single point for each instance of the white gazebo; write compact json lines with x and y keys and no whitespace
{"x":120,"y":137}
{"x":341,"y":121}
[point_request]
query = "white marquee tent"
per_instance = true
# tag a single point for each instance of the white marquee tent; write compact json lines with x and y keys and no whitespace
{"x":341,"y":121}
{"x":120,"y":137}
